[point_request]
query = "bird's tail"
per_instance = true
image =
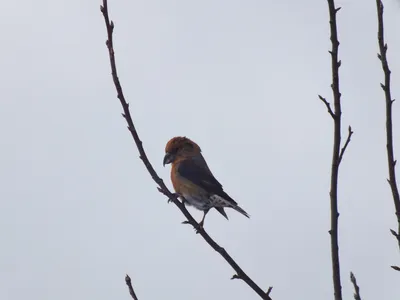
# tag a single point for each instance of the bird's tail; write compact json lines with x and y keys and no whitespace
{"x":222,"y":212}
{"x":241,"y":210}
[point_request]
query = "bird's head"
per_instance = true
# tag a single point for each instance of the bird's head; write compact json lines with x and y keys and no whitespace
{"x":180,"y":148}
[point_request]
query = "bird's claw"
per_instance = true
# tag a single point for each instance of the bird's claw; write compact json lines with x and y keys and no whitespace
{"x":174,"y":196}
{"x":197,"y":229}
{"x":200,"y":227}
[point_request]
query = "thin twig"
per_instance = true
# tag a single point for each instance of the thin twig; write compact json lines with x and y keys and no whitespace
{"x":389,"y":128}
{"x":397,"y":268}
{"x":345,"y":144}
{"x":337,"y":153}
{"x":328,"y":106}
{"x":395,"y":234}
{"x":129,"y":284}
{"x":356,"y":287}
{"x":161,"y":185}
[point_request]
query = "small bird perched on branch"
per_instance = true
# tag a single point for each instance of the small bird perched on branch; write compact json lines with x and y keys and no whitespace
{"x":193,"y":180}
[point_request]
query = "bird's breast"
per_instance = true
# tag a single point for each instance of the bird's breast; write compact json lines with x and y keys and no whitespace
{"x":193,"y":194}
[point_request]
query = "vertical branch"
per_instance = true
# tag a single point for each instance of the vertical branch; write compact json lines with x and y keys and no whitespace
{"x":389,"y":127}
{"x":337,"y":153}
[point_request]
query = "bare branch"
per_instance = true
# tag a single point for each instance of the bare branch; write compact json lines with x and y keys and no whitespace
{"x":345,"y":144}
{"x":356,"y":287}
{"x":328,"y":106}
{"x":129,"y":284}
{"x":337,"y":153}
{"x":389,"y":128}
{"x":395,"y":268}
{"x":161,"y":185}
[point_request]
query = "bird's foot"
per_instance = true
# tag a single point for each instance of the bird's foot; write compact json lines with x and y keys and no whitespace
{"x":201,"y":226}
{"x":196,"y":228}
{"x":174,"y":196}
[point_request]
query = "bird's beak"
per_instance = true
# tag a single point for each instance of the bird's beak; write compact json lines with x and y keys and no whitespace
{"x":168,"y":158}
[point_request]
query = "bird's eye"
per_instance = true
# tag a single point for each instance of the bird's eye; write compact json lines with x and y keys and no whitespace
{"x":174,"y":150}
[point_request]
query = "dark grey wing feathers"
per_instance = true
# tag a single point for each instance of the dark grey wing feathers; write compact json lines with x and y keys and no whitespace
{"x":197,"y":172}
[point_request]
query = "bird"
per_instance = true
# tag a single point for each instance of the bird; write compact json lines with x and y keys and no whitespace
{"x":193,"y":181}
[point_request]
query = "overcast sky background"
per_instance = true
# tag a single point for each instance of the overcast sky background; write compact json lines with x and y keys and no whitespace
{"x":78,"y":209}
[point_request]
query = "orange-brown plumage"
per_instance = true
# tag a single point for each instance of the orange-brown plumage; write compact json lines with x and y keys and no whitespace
{"x":183,"y":147}
{"x":193,"y":180}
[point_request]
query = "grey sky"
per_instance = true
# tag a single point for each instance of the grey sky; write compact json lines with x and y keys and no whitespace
{"x":78,"y":210}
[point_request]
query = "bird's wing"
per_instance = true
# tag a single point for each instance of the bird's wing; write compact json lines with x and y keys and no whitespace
{"x":197,"y":171}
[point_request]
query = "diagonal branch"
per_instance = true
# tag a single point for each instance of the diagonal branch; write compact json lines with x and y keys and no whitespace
{"x":328,"y":106}
{"x":389,"y":102}
{"x":337,"y":153}
{"x":397,"y":268}
{"x":356,"y":287}
{"x":129,"y":284}
{"x":345,"y":144}
{"x":161,"y":185}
